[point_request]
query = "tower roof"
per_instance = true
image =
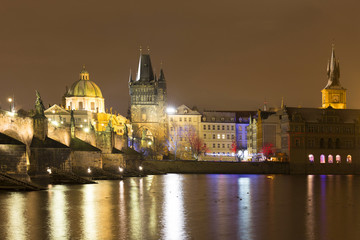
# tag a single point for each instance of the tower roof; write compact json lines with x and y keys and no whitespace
{"x":333,"y":71}
{"x":145,"y":71}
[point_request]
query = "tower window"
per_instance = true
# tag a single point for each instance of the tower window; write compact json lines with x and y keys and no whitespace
{"x":92,"y":106}
{"x":81,"y":105}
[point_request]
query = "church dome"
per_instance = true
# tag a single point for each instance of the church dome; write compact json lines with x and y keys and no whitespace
{"x":84,"y":87}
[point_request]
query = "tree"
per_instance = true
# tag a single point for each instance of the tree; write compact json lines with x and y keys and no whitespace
{"x":197,"y":146}
{"x":267,"y":150}
{"x":175,"y":135}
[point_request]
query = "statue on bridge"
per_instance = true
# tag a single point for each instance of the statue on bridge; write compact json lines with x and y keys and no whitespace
{"x":39,"y":106}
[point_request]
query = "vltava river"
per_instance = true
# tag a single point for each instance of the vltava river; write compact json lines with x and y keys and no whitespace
{"x":177,"y":206}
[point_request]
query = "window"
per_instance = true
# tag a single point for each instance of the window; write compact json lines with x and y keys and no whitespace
{"x":223,"y":136}
{"x":222,"y":119}
{"x":227,"y":127}
{"x":223,"y":145}
{"x":214,"y":145}
{"x":218,"y":127}
{"x":227,"y":136}
{"x":338,"y":159}
{"x":311,"y":158}
{"x":330,"y":159}
{"x":322,"y":158}
{"x":228,"y":146}
{"x":70,"y":105}
{"x":209,"y":127}
{"x":213,"y":127}
{"x":218,"y":136}
{"x":213,"y":136}
{"x":181,"y":138}
{"x":92,"y":106}
{"x":240,"y":137}
{"x":322,"y":144}
{"x":348,"y":159}
{"x":218,"y":145}
{"x":189,"y":119}
{"x":240,"y":128}
{"x":330,"y":143}
{"x":204,"y":127}
{"x":223,"y":127}
{"x":232,"y":128}
{"x":232,"y":136}
{"x":185,"y":119}
{"x":171,"y":129}
{"x":297,"y":142}
{"x":204,"y":136}
{"x":180,"y":119}
{"x":81,"y":105}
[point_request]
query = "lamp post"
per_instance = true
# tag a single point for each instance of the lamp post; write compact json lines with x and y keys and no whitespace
{"x":10,"y":100}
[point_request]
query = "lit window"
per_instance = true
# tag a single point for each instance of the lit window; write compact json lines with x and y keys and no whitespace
{"x":92,"y":106}
{"x":223,"y":136}
{"x":218,"y":136}
{"x":338,"y":159}
{"x":348,"y":159}
{"x":311,"y":158}
{"x":330,"y":159}
{"x":240,"y":128}
{"x":322,"y":158}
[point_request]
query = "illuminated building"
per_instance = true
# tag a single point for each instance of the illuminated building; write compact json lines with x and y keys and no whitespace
{"x":183,"y":124}
{"x":147,"y":104}
{"x":218,"y":130}
{"x":333,"y":94}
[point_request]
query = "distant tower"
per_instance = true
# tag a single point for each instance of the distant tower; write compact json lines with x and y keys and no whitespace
{"x":333,"y":94}
{"x":147,"y":102}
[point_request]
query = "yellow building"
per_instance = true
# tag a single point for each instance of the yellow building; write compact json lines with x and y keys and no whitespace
{"x":333,"y":94}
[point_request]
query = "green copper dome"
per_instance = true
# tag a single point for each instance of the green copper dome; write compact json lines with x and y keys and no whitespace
{"x":84,"y":87}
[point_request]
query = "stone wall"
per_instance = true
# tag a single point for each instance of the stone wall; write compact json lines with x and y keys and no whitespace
{"x":112,"y":162}
{"x":86,"y":159}
{"x":42,"y":158}
{"x":13,"y":158}
{"x":218,"y":167}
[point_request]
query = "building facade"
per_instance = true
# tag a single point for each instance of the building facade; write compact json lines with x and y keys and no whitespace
{"x":148,"y":97}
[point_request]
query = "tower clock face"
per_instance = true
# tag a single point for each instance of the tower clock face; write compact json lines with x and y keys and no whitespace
{"x":336,"y":98}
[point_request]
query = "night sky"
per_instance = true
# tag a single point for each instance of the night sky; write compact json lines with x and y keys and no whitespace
{"x":223,"y":55}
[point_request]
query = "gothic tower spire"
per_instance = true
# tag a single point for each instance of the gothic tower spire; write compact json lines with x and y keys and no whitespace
{"x":333,"y":95}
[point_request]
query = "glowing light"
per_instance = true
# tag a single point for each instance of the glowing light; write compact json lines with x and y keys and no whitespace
{"x":140,"y":168}
{"x":149,"y":143}
{"x":89,"y":170}
{"x":55,"y":123}
{"x":62,"y":122}
{"x":86,"y":130}
{"x":85,"y":120}
{"x":49,"y":119}
{"x":53,"y":111}
{"x":49,"y":170}
{"x":170,"y":110}
{"x":121,"y":169}
{"x":10,"y":100}
{"x":11,"y":114}
{"x":81,"y":125}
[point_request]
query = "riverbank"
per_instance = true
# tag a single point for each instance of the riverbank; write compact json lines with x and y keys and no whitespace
{"x":202,"y":167}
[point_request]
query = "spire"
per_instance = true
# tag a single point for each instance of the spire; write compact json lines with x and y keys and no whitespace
{"x":162,"y":76}
{"x":84,"y":75}
{"x":145,"y":71}
{"x":130,"y":77}
{"x":72,"y":124}
{"x":282,"y":102}
{"x":333,"y":70}
{"x":39,"y":106}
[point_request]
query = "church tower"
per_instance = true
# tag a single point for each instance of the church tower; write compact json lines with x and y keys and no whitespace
{"x":148,"y":103}
{"x":333,"y":94}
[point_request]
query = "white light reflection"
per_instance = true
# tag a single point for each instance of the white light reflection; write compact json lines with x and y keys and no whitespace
{"x":89,"y":214}
{"x":310,"y":215}
{"x":17,"y":223}
{"x":244,"y":208}
{"x":173,"y":208}
{"x":58,"y":209}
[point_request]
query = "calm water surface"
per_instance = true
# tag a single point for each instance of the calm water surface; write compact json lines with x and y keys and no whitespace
{"x":179,"y":206}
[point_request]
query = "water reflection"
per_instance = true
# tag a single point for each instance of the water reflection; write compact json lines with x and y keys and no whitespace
{"x":310,"y":218}
{"x":16,"y":228}
{"x":244,"y":210}
{"x":173,"y":208}
{"x":59,"y":227}
{"x":89,"y":224}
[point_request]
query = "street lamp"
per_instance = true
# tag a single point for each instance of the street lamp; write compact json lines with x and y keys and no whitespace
{"x":10,"y":100}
